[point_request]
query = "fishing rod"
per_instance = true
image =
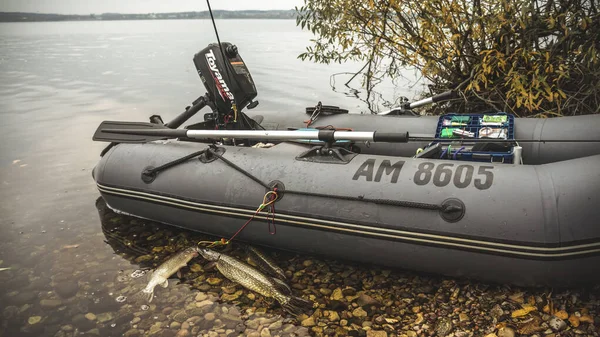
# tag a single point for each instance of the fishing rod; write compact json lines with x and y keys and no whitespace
{"x":141,"y":132}
{"x":445,"y":96}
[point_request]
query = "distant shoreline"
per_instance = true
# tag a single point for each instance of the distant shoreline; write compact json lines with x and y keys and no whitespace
{"x":218,"y":14}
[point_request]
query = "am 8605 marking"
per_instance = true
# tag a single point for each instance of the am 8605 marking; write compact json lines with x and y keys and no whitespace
{"x":461,"y":177}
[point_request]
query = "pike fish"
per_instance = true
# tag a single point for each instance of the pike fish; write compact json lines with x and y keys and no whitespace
{"x":264,"y":262}
{"x":161,"y":275}
{"x":252,"y":279}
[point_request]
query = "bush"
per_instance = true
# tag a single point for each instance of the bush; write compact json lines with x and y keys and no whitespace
{"x":530,"y":58}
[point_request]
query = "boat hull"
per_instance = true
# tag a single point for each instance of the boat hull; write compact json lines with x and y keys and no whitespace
{"x":519,"y":224}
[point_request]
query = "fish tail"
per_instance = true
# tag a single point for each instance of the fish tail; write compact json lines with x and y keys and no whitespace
{"x":295,"y":305}
{"x":145,"y":295}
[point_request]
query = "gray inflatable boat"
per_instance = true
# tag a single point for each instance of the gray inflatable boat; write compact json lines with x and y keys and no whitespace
{"x":454,"y":208}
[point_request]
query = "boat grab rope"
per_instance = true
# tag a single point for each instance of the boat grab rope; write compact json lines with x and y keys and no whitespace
{"x":271,"y":196}
{"x":401,"y":203}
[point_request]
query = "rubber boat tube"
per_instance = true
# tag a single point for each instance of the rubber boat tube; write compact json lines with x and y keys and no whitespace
{"x":586,"y":127}
{"x":520,"y":224}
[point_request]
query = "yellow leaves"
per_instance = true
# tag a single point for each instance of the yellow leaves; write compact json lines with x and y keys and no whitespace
{"x":561,"y":314}
{"x":574,"y":320}
{"x":527,"y":308}
{"x":586,"y":318}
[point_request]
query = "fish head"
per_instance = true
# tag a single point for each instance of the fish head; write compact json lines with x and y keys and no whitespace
{"x":209,"y":254}
{"x":192,"y":251}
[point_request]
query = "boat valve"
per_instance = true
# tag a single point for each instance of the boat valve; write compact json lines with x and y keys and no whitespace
{"x":452,"y":210}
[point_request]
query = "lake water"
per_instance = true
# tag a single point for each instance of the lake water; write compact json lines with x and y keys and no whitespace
{"x":59,"y":80}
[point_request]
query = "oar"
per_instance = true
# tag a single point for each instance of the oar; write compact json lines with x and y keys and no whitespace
{"x":140,"y":132}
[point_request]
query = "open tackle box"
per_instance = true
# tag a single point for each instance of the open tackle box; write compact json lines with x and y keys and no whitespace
{"x":454,"y":132}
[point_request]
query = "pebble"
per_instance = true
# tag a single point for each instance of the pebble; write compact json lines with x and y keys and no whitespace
{"x":182,"y":333}
{"x":34,"y":320}
{"x":377,"y":333}
{"x":201,"y":296}
{"x":265,"y":332}
{"x":214,"y":281}
{"x":359,"y":312}
{"x":105,"y":317}
{"x":175,"y":325}
{"x":196,"y":268}
{"x":337,"y":294}
{"x":210,"y":316}
{"x":325,"y":291}
{"x":204,"y":303}
{"x":50,"y":303}
{"x":310,"y":321}
{"x":506,"y":332}
{"x":132,"y":333}
{"x":275,"y":325}
{"x":557,"y":324}
{"x":90,"y":316}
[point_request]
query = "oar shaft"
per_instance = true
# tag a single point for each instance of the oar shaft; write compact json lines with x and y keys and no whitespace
{"x":323,"y":135}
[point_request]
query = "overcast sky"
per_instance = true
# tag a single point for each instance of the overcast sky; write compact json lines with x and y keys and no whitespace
{"x":138,"y":6}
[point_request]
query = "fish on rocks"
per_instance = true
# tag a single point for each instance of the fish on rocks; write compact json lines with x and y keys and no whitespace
{"x":161,"y":275}
{"x":252,"y":279}
{"x":264,"y":262}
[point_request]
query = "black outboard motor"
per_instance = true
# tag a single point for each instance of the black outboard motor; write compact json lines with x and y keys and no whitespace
{"x":229,"y":84}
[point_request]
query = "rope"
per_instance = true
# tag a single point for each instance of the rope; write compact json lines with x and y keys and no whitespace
{"x":155,"y":170}
{"x":272,"y":196}
{"x":411,"y":204}
{"x":239,"y":169}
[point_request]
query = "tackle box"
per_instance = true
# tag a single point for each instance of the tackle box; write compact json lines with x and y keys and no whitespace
{"x":454,"y":131}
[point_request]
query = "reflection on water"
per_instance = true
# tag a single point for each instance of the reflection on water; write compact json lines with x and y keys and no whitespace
{"x":89,"y":290}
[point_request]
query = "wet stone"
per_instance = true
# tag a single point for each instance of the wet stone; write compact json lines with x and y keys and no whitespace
{"x":506,"y":332}
{"x":201,"y":297}
{"x":180,"y":316}
{"x":105,"y":317}
{"x":82,"y":323}
{"x":46,"y":303}
{"x":377,"y":333}
{"x":23,"y":298}
{"x":557,"y":324}
{"x":132,"y":333}
{"x":443,"y":327}
{"x":182,"y":333}
{"x":66,"y":289}
{"x":275,"y":325}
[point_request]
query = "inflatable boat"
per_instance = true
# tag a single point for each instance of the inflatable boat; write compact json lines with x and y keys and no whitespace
{"x":483,"y":196}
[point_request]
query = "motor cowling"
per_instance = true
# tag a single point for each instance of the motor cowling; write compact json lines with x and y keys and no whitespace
{"x":225,"y":77}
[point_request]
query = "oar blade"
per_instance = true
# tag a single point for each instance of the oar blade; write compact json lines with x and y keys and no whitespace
{"x":101,"y":134}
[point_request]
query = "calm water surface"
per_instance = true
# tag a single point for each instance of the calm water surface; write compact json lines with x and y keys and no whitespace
{"x":58,"y":81}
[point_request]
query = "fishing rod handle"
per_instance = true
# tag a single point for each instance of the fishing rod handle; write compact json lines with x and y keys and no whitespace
{"x":433,"y":99}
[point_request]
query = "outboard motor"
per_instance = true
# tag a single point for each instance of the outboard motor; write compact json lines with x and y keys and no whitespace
{"x":229,"y":84}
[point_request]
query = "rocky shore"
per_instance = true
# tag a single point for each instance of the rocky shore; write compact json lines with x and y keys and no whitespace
{"x":86,"y":293}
